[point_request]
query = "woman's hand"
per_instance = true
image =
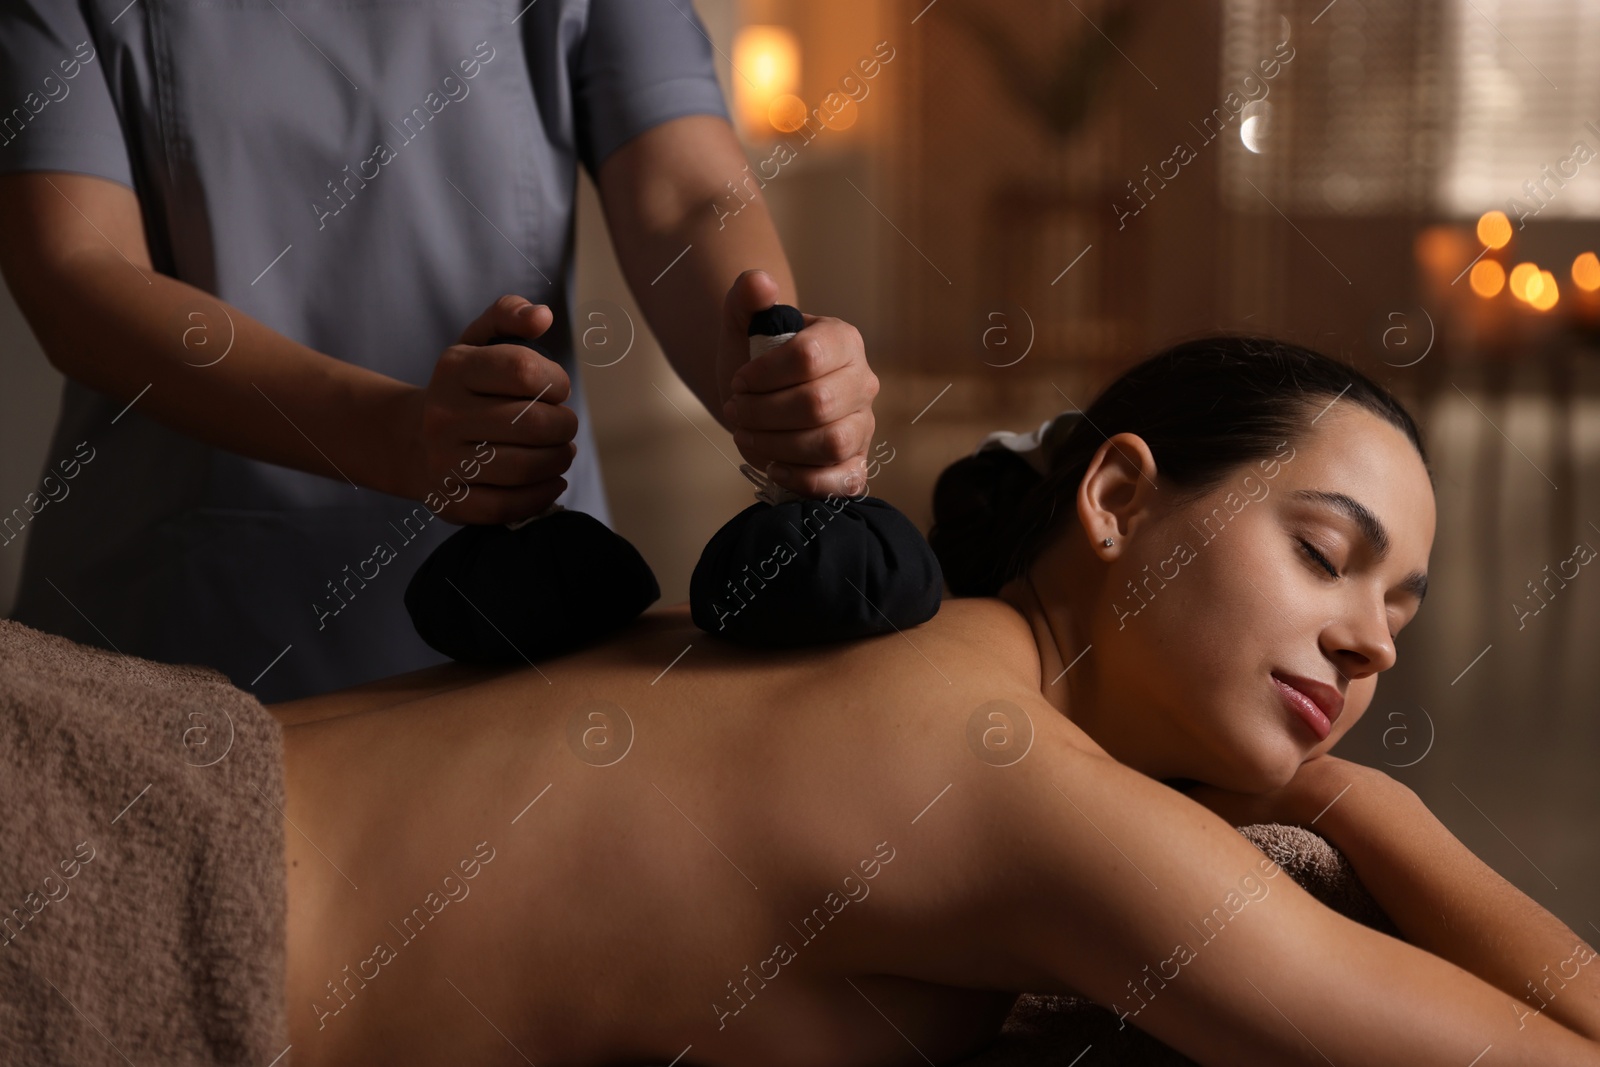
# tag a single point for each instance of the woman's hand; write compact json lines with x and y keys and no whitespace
{"x":489,"y":437}
{"x":806,"y":405}
{"x":1317,"y":783}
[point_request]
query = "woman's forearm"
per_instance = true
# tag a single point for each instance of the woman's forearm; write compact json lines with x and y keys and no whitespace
{"x":1447,"y":901}
{"x":117,"y":330}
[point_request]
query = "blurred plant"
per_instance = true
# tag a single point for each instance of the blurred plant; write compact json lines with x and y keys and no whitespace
{"x":1058,"y":91}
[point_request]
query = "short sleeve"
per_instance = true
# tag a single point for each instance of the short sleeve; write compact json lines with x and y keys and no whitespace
{"x":642,"y":63}
{"x":59,"y":114}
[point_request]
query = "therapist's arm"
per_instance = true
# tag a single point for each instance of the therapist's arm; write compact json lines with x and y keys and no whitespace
{"x":685,"y":246}
{"x":75,"y":259}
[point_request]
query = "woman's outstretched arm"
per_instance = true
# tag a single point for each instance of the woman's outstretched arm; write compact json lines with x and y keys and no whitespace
{"x":1126,"y":891}
{"x":1439,"y":895}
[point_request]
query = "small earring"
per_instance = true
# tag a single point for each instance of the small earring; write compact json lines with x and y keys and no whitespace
{"x":1108,"y":542}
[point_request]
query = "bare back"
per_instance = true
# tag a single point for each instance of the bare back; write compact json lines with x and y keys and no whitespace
{"x":690,"y":850}
{"x":667,"y":849}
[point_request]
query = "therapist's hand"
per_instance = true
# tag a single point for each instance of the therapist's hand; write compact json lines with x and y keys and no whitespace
{"x":504,"y":402}
{"x":805,"y":405}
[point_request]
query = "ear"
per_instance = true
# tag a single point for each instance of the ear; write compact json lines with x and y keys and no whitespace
{"x":1118,"y":494}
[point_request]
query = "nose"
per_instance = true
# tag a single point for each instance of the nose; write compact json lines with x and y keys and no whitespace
{"x":1359,"y":642}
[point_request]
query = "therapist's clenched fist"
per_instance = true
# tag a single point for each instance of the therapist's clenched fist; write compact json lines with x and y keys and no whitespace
{"x":804,"y":406}
{"x":493,"y":435}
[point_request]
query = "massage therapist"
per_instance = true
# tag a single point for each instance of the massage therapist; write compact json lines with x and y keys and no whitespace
{"x":258,"y":238}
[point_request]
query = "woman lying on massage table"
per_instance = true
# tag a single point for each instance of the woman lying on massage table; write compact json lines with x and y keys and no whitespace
{"x":667,"y":846}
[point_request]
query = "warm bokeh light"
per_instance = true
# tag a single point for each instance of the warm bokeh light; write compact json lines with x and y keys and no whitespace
{"x":1442,"y":250}
{"x":838,"y":111}
{"x":1586,"y":272}
{"x":1487,"y":278}
{"x":787,"y":113}
{"x":766,"y":62}
{"x":1522,"y":275}
{"x":1494,"y":229}
{"x":1546,"y":297}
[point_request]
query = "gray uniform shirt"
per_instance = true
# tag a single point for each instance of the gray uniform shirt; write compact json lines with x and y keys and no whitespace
{"x":364,"y":177}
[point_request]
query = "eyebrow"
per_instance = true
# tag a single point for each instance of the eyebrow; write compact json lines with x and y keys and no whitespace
{"x":1372,"y":531}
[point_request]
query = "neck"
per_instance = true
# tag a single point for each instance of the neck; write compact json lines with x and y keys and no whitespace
{"x":1071,"y":679}
{"x":1063,"y":665}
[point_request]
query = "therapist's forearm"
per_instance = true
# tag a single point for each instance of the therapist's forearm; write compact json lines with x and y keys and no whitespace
{"x":687,"y":316}
{"x":118,"y":329}
{"x":683,"y":207}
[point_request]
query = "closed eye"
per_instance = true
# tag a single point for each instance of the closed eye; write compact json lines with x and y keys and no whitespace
{"x":1318,"y":557}
{"x":1320,"y":560}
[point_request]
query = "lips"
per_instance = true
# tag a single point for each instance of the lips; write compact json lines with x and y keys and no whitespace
{"x":1318,"y":702}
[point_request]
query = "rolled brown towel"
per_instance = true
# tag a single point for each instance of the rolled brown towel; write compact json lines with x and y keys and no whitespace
{"x":1050,"y":1030}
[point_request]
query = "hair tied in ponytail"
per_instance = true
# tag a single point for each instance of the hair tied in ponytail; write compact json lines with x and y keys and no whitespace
{"x":1038,"y":447}
{"x":976,"y":502}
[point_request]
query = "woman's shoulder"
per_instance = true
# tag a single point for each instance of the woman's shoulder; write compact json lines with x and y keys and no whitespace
{"x":990,"y":633}
{"x":985,"y":614}
{"x":993,"y":652}
{"x":972,"y":632}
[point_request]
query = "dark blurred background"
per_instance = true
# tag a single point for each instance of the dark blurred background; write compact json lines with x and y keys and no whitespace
{"x":1023,"y":197}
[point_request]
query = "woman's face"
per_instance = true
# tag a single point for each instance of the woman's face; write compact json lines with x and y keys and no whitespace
{"x":1296,"y":571}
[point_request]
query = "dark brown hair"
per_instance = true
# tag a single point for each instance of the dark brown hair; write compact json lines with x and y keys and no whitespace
{"x":1205,"y":407}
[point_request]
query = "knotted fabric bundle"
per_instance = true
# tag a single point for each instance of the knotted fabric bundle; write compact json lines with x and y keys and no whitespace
{"x":788,"y":571}
{"x":531,"y":590}
{"x":808,"y":572}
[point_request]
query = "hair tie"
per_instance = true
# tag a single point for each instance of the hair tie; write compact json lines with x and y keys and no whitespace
{"x":1036,"y":447}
